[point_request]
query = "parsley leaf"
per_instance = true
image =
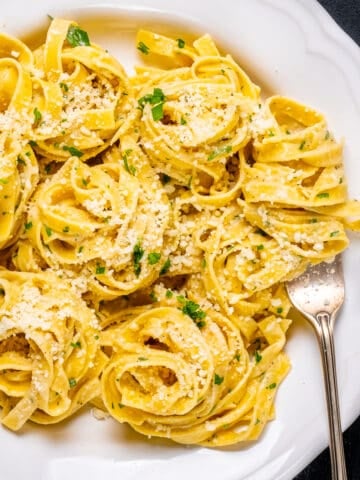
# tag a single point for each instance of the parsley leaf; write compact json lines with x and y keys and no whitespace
{"x":157,"y":112}
{"x":72,"y":382}
{"x":165,"y":267}
{"x":37,"y":116}
{"x":169,"y":294}
{"x":76,"y":37}
{"x":157,"y":98}
{"x":76,"y":344}
{"x":258,"y":357}
{"x":180,"y":42}
{"x":73,"y":151}
{"x":220,"y":151}
{"x":100,"y":270}
{"x":153,"y":258}
{"x":218,"y":380}
{"x":323,"y":195}
{"x":143,"y":48}
{"x":138,"y":254}
{"x":129,"y":168}
{"x":28,"y":225}
{"x":192,"y":310}
{"x":271,"y":386}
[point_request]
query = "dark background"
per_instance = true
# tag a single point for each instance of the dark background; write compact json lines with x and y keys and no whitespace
{"x":347,"y":14}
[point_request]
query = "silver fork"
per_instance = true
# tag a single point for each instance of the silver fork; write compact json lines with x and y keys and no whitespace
{"x":318,"y":294}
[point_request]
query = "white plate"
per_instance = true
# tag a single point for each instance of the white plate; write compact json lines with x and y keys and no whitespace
{"x":291,"y":48}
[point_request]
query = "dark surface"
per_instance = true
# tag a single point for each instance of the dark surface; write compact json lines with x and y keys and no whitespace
{"x":347,"y":14}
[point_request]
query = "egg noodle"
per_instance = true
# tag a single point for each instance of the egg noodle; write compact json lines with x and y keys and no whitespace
{"x":147,"y":227}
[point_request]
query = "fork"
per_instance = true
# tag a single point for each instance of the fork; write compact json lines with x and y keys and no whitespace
{"x":318,"y":294}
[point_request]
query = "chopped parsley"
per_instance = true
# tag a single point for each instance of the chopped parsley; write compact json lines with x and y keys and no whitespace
{"x":183,"y":121}
{"x":323,"y":195}
{"x":37,"y":116}
{"x":260,"y":247}
{"x":66,"y":229}
{"x":237,"y":357}
{"x":76,"y":344}
{"x":180,"y":42}
{"x":28,"y":225}
{"x":129,"y":168}
{"x":73,"y":151}
{"x":334,"y":234}
{"x":165,"y":267}
{"x":218,"y":380}
{"x":20,"y":161}
{"x":220,"y":151}
{"x":153,"y":258}
{"x":279,"y":310}
{"x":143,"y":48}
{"x":271,"y":386}
{"x":72,"y":382}
{"x":302,"y":145}
{"x":192,"y":310}
{"x":48,"y":231}
{"x":154,"y":98}
{"x":153,"y":297}
{"x":313,"y":220}
{"x":32,"y":143}
{"x":157,"y":98}
{"x":77,"y":37}
{"x":138,"y":254}
{"x":203,"y":263}
{"x":142,"y":359}
{"x":100,"y":270}
{"x":64,"y":86}
{"x":157,"y":112}
{"x":81,"y":248}
{"x":169,"y":294}
{"x":258,"y":357}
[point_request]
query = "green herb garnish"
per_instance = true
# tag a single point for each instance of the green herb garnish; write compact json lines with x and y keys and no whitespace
{"x":77,"y":37}
{"x":138,"y":254}
{"x":73,"y":151}
{"x":72,"y":382}
{"x":100,"y":270}
{"x":143,"y":48}
{"x":220,"y":151}
{"x":153,"y":258}
{"x":271,"y":386}
{"x":37,"y":116}
{"x":165,"y":267}
{"x":180,"y":42}
{"x":258,"y":357}
{"x":218,"y":380}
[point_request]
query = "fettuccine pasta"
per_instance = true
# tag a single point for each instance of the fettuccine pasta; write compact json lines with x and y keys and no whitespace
{"x":147,"y":227}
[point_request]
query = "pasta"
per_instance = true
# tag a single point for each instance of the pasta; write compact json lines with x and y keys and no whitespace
{"x":147,"y":227}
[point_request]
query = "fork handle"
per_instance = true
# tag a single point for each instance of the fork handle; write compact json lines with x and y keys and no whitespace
{"x":326,"y":340}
